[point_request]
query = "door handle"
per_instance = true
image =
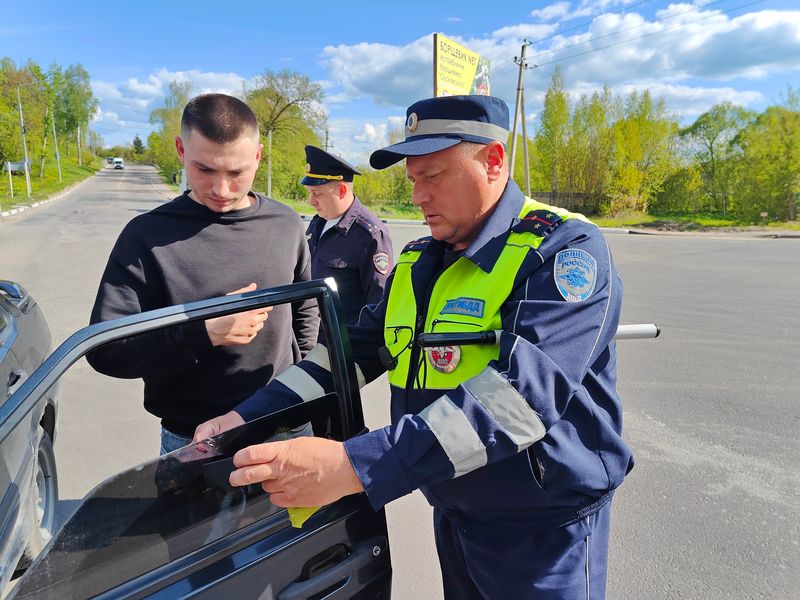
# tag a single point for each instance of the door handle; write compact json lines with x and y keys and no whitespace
{"x":341,"y":572}
{"x":15,"y":380}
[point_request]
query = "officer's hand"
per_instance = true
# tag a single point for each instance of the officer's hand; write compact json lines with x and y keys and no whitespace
{"x":305,"y":471}
{"x":238,"y":329}
{"x":217,"y":425}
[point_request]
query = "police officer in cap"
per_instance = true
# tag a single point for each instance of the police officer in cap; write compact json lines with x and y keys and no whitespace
{"x":347,"y":241}
{"x":497,"y":332}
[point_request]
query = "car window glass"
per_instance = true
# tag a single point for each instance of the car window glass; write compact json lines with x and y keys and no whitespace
{"x":162,"y":510}
{"x":137,"y":521}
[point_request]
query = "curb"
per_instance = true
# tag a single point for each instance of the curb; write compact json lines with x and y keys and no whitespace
{"x":15,"y":211}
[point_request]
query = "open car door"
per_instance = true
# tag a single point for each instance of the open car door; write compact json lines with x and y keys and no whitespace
{"x":174,"y":528}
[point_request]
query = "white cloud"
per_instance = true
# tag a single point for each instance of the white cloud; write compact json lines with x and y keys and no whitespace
{"x":390,"y":75}
{"x":396,"y":122}
{"x":696,"y":44}
{"x":127,"y":105}
{"x":354,"y":139}
{"x":530,"y":31}
{"x":553,"y":11}
{"x":693,"y":101}
{"x":691,"y":56}
{"x":372,"y":134}
{"x":454,"y":19}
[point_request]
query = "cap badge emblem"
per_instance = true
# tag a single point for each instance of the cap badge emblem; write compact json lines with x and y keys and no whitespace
{"x":412,"y":122}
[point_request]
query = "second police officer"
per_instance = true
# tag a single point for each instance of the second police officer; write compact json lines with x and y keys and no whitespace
{"x":346,"y":240}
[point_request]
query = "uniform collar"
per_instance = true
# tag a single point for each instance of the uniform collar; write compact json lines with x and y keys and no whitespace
{"x":349,"y":216}
{"x":486,"y":248}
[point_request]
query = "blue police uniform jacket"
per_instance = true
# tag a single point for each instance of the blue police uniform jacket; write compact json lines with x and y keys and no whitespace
{"x":559,"y":355}
{"x":356,"y":252}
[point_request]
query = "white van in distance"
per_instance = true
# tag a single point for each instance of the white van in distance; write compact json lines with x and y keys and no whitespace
{"x":119,"y":163}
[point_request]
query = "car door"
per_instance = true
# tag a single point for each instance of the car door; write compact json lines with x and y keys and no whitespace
{"x":173,"y":527}
{"x":13,"y":447}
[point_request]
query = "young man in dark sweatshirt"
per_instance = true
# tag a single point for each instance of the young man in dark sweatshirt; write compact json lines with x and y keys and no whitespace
{"x":218,"y":237}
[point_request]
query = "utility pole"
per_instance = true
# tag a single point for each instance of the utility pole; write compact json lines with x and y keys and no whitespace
{"x":525,"y":146}
{"x":55,"y":143}
{"x":24,"y":142}
{"x":269,"y":163}
{"x":44,"y":142}
{"x":326,"y":140}
{"x":520,"y":106}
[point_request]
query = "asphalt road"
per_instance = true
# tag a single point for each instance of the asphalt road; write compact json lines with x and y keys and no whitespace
{"x":712,"y":508}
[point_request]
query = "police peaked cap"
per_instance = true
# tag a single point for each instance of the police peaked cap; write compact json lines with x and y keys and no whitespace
{"x":438,"y":123}
{"x":322,"y":167}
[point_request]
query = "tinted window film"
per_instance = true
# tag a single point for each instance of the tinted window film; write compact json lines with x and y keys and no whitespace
{"x":162,"y":510}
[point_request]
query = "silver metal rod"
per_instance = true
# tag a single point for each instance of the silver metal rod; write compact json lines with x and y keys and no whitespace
{"x":637,"y":332}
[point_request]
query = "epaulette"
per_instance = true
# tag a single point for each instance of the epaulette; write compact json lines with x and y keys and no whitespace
{"x":367,"y":224}
{"x":417,"y":245}
{"x":540,"y":222}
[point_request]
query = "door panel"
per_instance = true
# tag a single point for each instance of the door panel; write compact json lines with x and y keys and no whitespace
{"x":171,"y":528}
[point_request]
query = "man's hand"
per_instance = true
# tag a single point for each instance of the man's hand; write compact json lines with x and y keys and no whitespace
{"x":217,"y":425}
{"x":305,"y":471}
{"x":238,"y":329}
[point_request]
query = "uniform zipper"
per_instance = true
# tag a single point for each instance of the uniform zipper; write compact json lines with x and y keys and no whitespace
{"x":414,"y":364}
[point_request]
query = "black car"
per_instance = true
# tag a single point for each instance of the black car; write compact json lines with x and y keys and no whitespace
{"x":174,"y":528}
{"x":28,"y":479}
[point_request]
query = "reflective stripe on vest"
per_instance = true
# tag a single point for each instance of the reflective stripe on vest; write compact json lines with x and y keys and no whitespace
{"x":465,"y":298}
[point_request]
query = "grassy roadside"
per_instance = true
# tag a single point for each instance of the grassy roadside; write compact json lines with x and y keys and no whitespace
{"x":688,"y":222}
{"x":48,"y":185}
{"x":631,"y":220}
{"x":660,"y":222}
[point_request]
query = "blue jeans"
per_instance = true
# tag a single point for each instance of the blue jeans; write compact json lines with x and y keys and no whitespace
{"x":172,"y":441}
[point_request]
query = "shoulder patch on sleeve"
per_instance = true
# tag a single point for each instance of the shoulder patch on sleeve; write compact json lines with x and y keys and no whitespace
{"x":416,"y":245}
{"x":381,"y":262}
{"x":540,"y":222}
{"x":575,"y":274}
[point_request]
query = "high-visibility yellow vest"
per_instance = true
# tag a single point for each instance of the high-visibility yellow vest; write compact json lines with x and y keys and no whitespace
{"x":465,"y":298}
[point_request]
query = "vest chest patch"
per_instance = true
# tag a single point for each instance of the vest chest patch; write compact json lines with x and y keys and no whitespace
{"x":472,"y":307}
{"x":444,"y":359}
{"x":575,"y":274}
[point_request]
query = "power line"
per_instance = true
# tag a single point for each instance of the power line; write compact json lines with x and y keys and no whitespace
{"x":576,"y":27}
{"x":613,"y":33}
{"x":647,"y":35}
{"x":621,"y":42}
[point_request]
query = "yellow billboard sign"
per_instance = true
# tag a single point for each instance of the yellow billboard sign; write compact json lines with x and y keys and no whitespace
{"x":458,"y":70}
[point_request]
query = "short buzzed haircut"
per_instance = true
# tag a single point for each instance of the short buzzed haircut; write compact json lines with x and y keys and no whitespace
{"x":218,"y":117}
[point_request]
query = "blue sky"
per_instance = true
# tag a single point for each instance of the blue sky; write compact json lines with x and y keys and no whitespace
{"x":374,"y":58}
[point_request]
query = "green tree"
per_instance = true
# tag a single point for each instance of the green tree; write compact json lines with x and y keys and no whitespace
{"x":769,"y":166}
{"x":709,"y":142}
{"x":682,"y":192}
{"x":138,"y":147}
{"x":644,"y":153}
{"x":552,"y":135}
{"x":168,"y":117}
{"x":586,"y":163}
{"x":74,"y":102}
{"x":288,"y":105}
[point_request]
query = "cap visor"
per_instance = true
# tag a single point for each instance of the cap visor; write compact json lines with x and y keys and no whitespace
{"x":313,"y":181}
{"x":386,"y":157}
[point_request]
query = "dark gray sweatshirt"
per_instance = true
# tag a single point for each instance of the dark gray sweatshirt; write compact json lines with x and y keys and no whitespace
{"x":182,"y":252}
